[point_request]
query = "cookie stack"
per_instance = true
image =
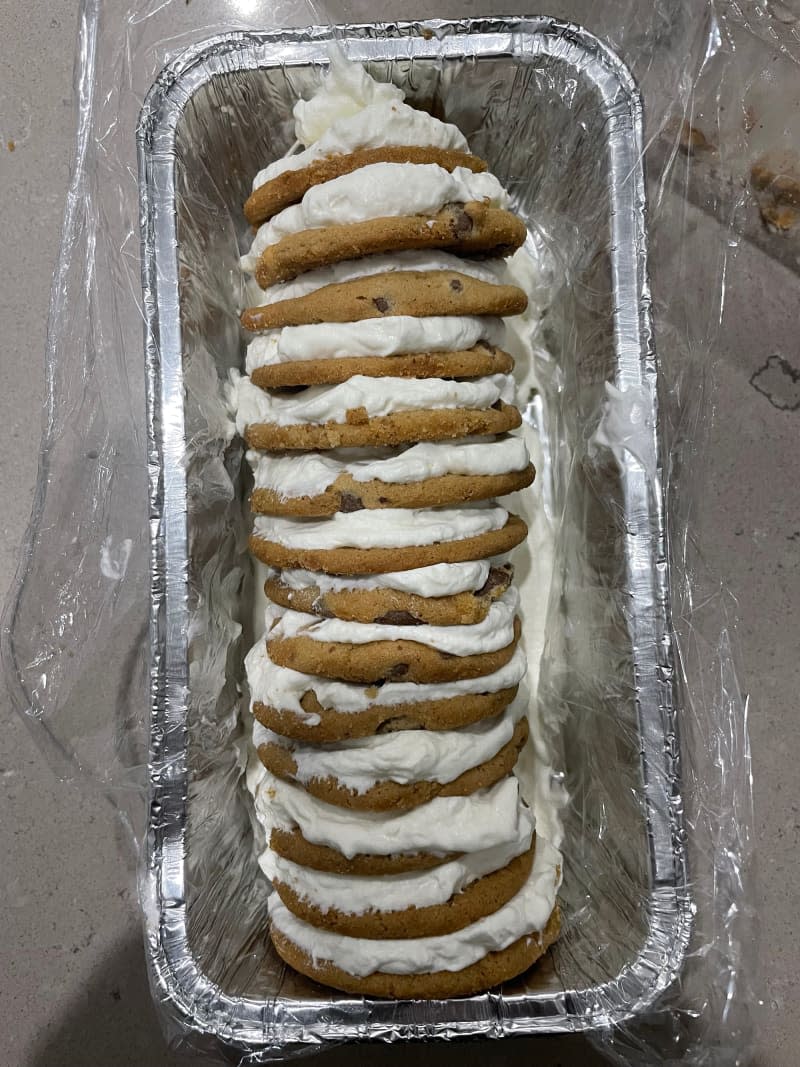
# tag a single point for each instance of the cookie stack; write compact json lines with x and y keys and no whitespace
{"x":386,"y":689}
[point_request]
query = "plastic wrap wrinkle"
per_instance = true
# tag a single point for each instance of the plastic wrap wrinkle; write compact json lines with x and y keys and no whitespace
{"x":629,"y":641}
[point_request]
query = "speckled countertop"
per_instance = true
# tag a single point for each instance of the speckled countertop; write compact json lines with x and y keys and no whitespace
{"x":73,"y":991}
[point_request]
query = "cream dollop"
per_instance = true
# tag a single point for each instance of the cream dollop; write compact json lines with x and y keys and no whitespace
{"x":377,"y":396}
{"x":494,"y":632}
{"x":309,"y":474}
{"x":347,"y":90}
{"x":390,"y":336}
{"x":404,"y":756}
{"x":284,"y":688}
{"x":386,"y":528}
{"x":525,"y":914}
{"x":380,"y":190}
{"x":330,"y":125}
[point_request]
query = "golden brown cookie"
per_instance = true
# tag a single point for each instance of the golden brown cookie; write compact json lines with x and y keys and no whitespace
{"x":446,"y":714}
{"x":397,"y":796}
{"x":473,"y":228}
{"x":400,"y":428}
{"x":475,"y":901}
{"x":494,"y":968}
{"x":393,"y":606}
{"x":383,"y":560}
{"x":291,"y":186}
{"x":382,"y":661}
{"x":293,"y":846}
{"x":346,"y":494}
{"x":483,"y":359}
{"x":416,"y":293}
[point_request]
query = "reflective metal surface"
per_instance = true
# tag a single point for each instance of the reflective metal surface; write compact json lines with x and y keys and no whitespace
{"x":559,"y":119}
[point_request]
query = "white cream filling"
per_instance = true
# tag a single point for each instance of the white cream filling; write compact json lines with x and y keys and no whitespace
{"x":525,"y":914}
{"x":385,"y":528}
{"x":380,"y":123}
{"x":403,"y":757}
{"x":494,"y":632}
{"x":437,"y":580}
{"x":472,"y":823}
{"x":380,"y":190}
{"x":391,"y":336}
{"x":492,"y":271}
{"x":392,"y":892}
{"x":311,"y":473}
{"x":377,"y":396}
{"x":283,"y":688}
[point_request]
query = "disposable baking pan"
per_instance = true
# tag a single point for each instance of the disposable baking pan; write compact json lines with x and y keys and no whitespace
{"x":560,"y":121}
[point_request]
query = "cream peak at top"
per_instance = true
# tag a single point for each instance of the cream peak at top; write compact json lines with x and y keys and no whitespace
{"x":350,"y":110}
{"x":346,"y":90}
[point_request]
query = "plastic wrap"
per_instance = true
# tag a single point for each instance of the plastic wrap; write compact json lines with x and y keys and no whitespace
{"x":124,"y":636}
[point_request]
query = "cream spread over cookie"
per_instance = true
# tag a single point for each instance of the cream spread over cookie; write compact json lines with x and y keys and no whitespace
{"x":394,"y":892}
{"x":390,"y":336}
{"x":309,"y":474}
{"x":404,"y":757}
{"x":386,"y":528}
{"x":437,"y":580}
{"x":481,"y":820}
{"x":376,"y":396}
{"x":377,"y":191}
{"x":494,"y":632}
{"x":488,"y":270}
{"x":525,"y":913}
{"x":284,"y":688}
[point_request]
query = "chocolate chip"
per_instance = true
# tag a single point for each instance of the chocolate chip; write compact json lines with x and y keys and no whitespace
{"x":462,"y":223}
{"x":399,"y":722}
{"x":350,"y":502}
{"x":381,"y":303}
{"x":456,"y":285}
{"x":497,"y":578}
{"x":400,"y":670}
{"x":398,"y":618}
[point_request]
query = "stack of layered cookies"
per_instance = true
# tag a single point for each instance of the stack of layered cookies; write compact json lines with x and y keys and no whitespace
{"x":378,"y":411}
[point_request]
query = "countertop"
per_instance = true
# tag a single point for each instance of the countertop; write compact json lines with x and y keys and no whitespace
{"x":73,"y":989}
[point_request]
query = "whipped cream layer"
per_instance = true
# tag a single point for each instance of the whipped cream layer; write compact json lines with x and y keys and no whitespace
{"x":283,"y":688}
{"x":380,"y":190}
{"x":437,"y":580}
{"x":310,"y":474}
{"x":379,"y":124}
{"x":377,"y":396}
{"x":385,"y":528}
{"x":394,"y":892}
{"x":404,"y":757}
{"x":525,"y":914}
{"x":391,"y":336}
{"x":492,"y":271}
{"x":472,"y":823}
{"x":494,"y":632}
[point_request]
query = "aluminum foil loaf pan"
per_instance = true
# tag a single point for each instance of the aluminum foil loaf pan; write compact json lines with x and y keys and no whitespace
{"x":559,"y":119}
